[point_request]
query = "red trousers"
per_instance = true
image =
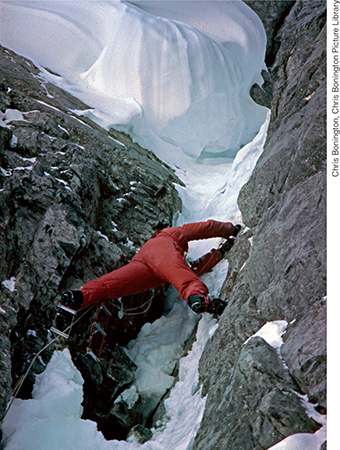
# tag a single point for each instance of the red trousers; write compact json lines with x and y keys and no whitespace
{"x":161,"y":260}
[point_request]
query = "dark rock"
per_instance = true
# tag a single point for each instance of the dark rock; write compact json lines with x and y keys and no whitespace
{"x":272,"y":15}
{"x":237,"y":257}
{"x":304,"y":351}
{"x":263,"y":95}
{"x":76,"y":202}
{"x":5,"y":367}
{"x":5,"y":137}
{"x":256,"y":405}
{"x":289,"y":252}
{"x":251,"y":404}
{"x":140,"y":434}
{"x":103,"y":383}
{"x":240,"y":320}
{"x":290,"y":209}
{"x":124,"y":414}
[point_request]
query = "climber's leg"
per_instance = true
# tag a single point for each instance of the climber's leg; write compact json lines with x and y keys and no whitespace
{"x":130,"y":279}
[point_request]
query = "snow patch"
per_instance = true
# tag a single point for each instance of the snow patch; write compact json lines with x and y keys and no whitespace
{"x":49,"y":420}
{"x":103,"y":236}
{"x":10,"y":284}
{"x":272,"y":333}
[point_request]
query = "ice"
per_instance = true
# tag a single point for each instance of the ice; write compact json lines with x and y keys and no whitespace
{"x":157,"y":350}
{"x":212,"y":190}
{"x":174,"y":76}
{"x":272,"y":333}
{"x":51,"y":419}
{"x":10,"y":284}
{"x":185,"y":406}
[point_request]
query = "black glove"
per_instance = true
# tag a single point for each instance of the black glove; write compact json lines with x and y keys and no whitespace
{"x":197,"y":303}
{"x":237,"y":229}
{"x":226,"y":246}
{"x":73,"y":299}
{"x":216,"y":306}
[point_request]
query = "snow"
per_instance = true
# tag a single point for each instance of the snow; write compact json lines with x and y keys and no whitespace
{"x":10,"y":115}
{"x":175,"y":75}
{"x":50,"y":420}
{"x":164,"y":337}
{"x":10,"y":284}
{"x":31,"y":333}
{"x":305,"y":441}
{"x":272,"y":333}
{"x":101,"y":235}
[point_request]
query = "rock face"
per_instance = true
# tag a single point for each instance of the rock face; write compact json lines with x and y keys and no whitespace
{"x":253,"y":392}
{"x":272,"y":15}
{"x":76,"y":202}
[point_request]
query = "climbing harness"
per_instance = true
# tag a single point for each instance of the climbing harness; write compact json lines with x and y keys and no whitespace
{"x":133,"y":311}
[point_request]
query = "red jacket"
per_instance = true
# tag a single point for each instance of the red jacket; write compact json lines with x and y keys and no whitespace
{"x":199,"y":230}
{"x":161,"y":260}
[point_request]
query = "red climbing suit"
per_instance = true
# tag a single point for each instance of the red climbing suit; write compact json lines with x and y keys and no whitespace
{"x":161,"y":260}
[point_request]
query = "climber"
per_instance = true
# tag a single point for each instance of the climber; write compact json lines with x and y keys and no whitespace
{"x":161,"y":260}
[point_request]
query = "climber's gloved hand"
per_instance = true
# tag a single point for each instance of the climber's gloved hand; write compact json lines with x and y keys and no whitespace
{"x":237,"y":229}
{"x":198,"y":303}
{"x":226,"y":245}
{"x":201,"y":303}
{"x":72,"y":299}
{"x":216,"y":306}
